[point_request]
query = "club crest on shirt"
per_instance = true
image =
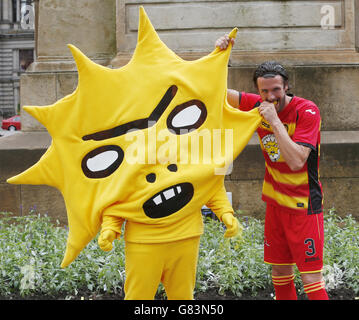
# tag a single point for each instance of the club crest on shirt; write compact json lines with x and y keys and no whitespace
{"x":271,"y":147}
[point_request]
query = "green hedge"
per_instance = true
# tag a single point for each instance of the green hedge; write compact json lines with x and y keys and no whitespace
{"x":32,"y":248}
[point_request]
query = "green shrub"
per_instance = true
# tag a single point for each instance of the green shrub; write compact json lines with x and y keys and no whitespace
{"x":32,"y":249}
{"x":341,"y":252}
{"x":228,"y":265}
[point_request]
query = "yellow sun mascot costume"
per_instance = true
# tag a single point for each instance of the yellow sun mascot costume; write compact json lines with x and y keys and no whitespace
{"x":144,"y":144}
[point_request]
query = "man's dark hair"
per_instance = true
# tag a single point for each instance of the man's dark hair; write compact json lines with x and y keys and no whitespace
{"x":270,"y":69}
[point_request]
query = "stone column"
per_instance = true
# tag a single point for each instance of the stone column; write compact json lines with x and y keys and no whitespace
{"x":6,"y":13}
{"x":88,"y":24}
{"x":356,"y":19}
{"x":91,"y":26}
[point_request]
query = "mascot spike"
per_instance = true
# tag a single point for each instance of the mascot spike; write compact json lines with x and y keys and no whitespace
{"x":40,"y":172}
{"x":82,"y":61}
{"x":70,"y":255}
{"x":39,"y":113}
{"x":149,"y":43}
{"x":233,"y":33}
{"x":31,"y":176}
{"x":145,"y":27}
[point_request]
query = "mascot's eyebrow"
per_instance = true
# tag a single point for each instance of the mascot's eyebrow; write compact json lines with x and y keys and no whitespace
{"x":136,"y":124}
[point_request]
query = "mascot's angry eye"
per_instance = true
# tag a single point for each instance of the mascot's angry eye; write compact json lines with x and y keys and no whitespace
{"x":138,"y":124}
{"x":102,"y":162}
{"x":186,"y":116}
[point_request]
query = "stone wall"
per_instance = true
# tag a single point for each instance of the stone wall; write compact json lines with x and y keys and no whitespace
{"x":339,"y":175}
{"x":318,"y":47}
{"x":334,"y":88}
{"x":303,"y":31}
{"x":42,"y":89}
{"x":88,"y":24}
{"x":263,"y":26}
{"x":18,"y":153}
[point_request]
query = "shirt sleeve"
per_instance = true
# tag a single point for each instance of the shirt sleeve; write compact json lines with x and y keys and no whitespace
{"x":220,"y":204}
{"x":307,"y":127}
{"x":248,"y":101}
{"x":113,"y":223}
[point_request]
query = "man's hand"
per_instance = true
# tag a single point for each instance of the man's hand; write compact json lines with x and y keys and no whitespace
{"x":106,"y":238}
{"x":223,"y":42}
{"x":268,"y":111}
{"x":233,"y":226}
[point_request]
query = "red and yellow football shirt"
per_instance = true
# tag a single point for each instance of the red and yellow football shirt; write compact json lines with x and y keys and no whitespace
{"x":300,"y":191}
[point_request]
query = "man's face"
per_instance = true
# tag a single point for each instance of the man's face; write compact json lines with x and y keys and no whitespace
{"x":273,"y":90}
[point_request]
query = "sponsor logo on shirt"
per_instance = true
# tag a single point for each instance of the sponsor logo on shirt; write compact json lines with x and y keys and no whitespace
{"x":265,"y":125}
{"x":312,"y":259}
{"x":300,"y":205}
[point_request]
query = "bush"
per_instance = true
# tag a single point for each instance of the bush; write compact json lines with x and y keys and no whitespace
{"x":230,"y":265}
{"x":32,"y":249}
{"x":341,"y":252}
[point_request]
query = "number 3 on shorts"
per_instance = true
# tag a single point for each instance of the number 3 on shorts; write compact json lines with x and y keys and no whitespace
{"x":311,"y":246}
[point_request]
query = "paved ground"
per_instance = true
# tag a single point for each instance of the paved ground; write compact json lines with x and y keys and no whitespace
{"x":6,"y":133}
{"x":24,"y":140}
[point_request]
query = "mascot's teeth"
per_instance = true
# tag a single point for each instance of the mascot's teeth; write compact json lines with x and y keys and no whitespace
{"x":157,"y":200}
{"x":168,"y":194}
{"x":168,"y":201}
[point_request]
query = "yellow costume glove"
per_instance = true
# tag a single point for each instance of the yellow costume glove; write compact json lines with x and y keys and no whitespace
{"x":106,"y":238}
{"x":234,"y":228}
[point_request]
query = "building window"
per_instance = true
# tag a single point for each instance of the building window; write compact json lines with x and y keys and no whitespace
{"x":14,"y":11}
{"x":26,"y":57}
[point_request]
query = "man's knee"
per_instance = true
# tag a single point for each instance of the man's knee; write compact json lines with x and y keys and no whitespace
{"x":311,"y":277}
{"x":282,"y":270}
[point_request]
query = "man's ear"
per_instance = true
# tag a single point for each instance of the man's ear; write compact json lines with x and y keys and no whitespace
{"x":286,"y":86}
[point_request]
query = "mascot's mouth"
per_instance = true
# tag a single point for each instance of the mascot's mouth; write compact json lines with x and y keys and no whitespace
{"x":168,"y":201}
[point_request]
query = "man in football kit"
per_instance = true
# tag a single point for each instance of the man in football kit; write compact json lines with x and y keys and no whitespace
{"x":289,"y":137}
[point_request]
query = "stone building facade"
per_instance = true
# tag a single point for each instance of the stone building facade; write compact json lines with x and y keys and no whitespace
{"x":16,"y":51}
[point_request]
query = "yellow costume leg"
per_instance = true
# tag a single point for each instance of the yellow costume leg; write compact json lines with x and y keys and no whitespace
{"x":173,"y":263}
{"x":179,"y":275}
{"x":143,"y":271}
